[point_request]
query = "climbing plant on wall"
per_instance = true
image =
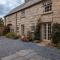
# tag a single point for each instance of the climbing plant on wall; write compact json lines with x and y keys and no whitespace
{"x":37,"y":30}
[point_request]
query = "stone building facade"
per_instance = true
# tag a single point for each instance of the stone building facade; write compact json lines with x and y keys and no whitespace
{"x":24,"y":18}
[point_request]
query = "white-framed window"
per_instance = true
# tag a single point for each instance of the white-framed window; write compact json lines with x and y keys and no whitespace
{"x":22,"y":13}
{"x":47,"y":4}
{"x":22,"y":29}
{"x":33,"y":27}
{"x":47,"y":31}
{"x":44,"y":31}
{"x":11,"y":30}
{"x":17,"y":28}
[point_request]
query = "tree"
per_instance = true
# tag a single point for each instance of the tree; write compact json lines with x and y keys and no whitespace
{"x":1,"y":26}
{"x":1,"y":22}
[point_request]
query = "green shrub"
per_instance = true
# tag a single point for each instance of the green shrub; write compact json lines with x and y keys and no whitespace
{"x":56,"y":33}
{"x":11,"y":35}
{"x":57,"y":46}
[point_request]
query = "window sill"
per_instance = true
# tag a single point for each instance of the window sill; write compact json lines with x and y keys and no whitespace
{"x":45,"y":13}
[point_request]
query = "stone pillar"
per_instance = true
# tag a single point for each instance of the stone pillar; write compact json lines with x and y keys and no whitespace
{"x":42,"y":32}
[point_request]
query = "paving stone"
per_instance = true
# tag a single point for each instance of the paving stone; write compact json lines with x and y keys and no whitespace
{"x":10,"y":46}
{"x":9,"y":57}
{"x":37,"y":57}
{"x":30,"y":55}
{"x":19,"y":58}
{"x":24,"y":52}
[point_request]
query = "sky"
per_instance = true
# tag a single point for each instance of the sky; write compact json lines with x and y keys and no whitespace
{"x":8,"y":5}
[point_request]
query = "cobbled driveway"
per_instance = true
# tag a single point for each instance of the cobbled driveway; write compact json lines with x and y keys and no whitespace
{"x":9,"y":47}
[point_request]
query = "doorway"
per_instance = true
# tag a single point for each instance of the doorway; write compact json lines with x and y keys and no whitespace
{"x":46,"y":31}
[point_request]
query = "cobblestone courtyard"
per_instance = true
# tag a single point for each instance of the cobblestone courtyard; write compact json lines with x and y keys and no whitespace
{"x":17,"y":50}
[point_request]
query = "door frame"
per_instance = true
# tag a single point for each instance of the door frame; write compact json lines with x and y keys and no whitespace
{"x":46,"y":33}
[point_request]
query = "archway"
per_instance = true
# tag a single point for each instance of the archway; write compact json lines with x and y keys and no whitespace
{"x":9,"y":27}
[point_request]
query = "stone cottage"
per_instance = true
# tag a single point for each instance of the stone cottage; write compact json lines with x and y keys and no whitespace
{"x":24,"y":18}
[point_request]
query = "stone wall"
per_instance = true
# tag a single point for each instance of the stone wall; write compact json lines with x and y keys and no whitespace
{"x":32,"y":14}
{"x":11,"y":19}
{"x":56,"y":11}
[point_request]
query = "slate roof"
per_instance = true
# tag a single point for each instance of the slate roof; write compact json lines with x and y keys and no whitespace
{"x":23,"y":6}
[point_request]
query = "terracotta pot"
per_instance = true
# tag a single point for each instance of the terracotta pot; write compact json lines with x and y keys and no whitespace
{"x":24,"y":38}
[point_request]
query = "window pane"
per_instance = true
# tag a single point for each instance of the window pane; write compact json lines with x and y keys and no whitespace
{"x":33,"y":28}
{"x":49,"y":31}
{"x":47,"y":5}
{"x":22,"y":29}
{"x":23,"y":13}
{"x":44,"y":31}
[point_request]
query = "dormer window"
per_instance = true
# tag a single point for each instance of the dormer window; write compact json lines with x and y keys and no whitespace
{"x":22,"y":13}
{"x":47,"y":5}
{"x":27,"y":1}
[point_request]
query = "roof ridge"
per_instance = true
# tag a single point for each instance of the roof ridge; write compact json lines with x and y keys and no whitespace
{"x":22,"y":6}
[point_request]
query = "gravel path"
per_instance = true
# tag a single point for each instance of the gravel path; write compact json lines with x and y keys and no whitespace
{"x":8,"y":47}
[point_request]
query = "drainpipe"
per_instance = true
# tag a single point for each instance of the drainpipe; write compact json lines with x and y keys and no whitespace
{"x":16,"y":22}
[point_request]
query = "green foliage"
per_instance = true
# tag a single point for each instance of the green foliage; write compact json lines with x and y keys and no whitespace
{"x":56,"y":33}
{"x":11,"y":35}
{"x":37,"y":31}
{"x":57,"y":45}
{"x":1,"y":22}
{"x":6,"y":30}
